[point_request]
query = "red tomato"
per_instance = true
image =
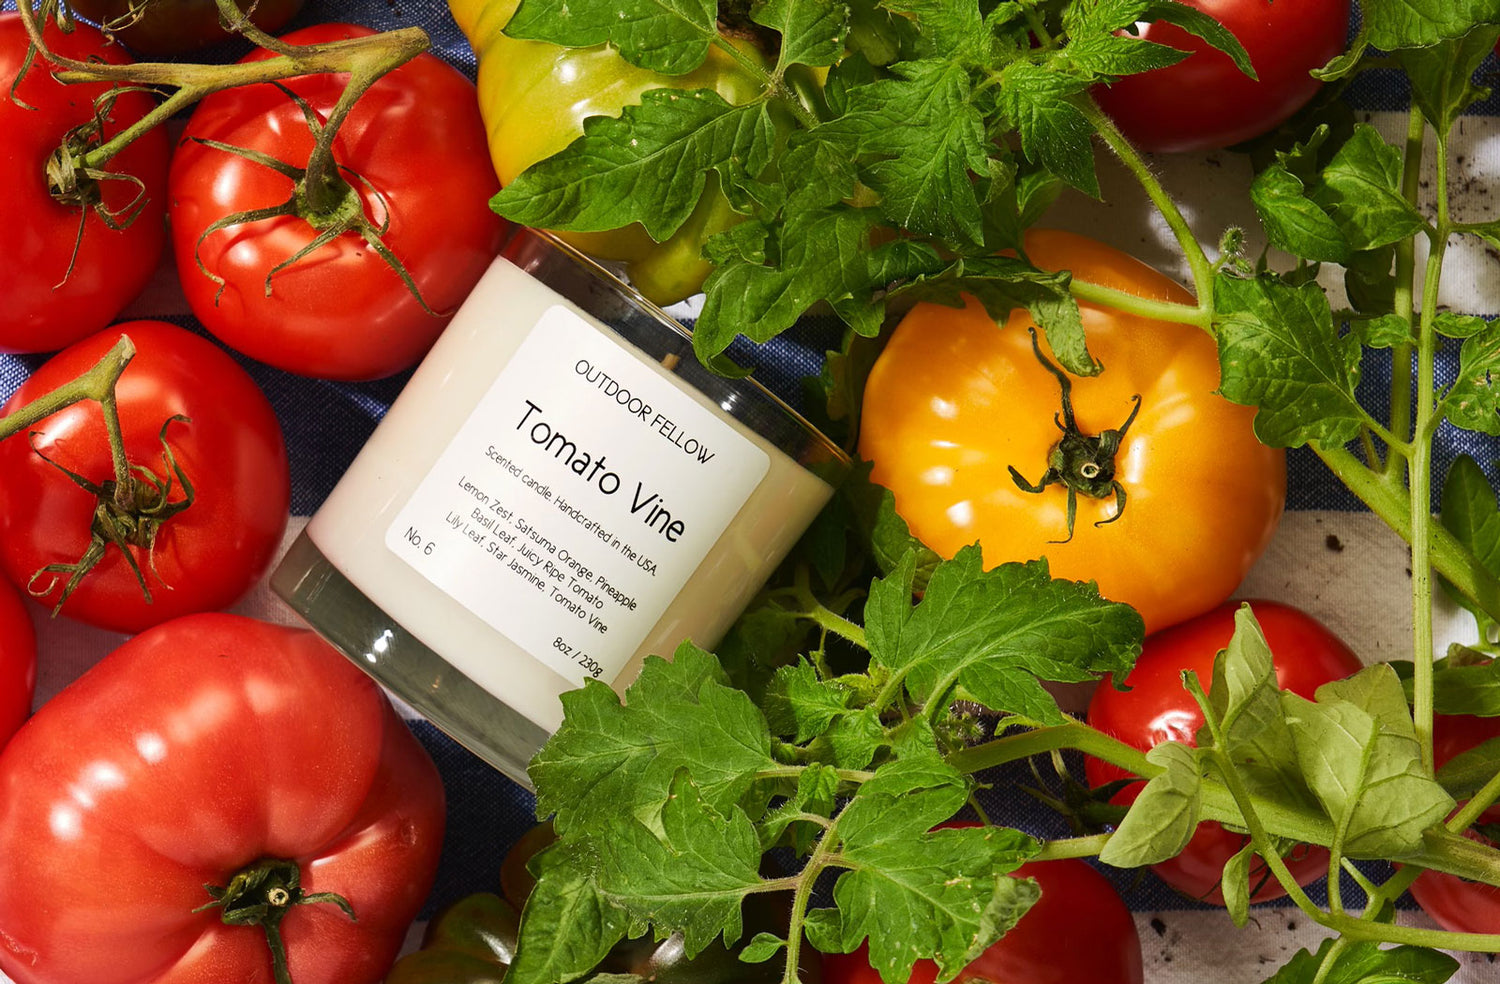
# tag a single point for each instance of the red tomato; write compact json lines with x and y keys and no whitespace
{"x":190,"y":753}
{"x":47,"y":305}
{"x":17,"y":662}
{"x":1079,"y":930}
{"x":1457,"y":905}
{"x":207,"y":555}
{"x":1205,"y":101}
{"x":341,"y":312}
{"x":1157,"y":708}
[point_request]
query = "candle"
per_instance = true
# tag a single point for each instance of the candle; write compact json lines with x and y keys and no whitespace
{"x":559,"y":491}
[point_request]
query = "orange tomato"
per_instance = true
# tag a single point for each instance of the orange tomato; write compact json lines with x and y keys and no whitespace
{"x":954,"y":403}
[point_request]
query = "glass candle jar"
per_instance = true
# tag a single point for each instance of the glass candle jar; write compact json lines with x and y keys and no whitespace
{"x":560,"y":490}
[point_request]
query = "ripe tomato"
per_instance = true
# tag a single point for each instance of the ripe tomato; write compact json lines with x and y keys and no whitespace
{"x":166,"y":27}
{"x":953,"y":404}
{"x":1079,"y":930}
{"x":47,"y":304}
{"x":1205,"y":101}
{"x":191,"y":753}
{"x":341,"y":312}
{"x":17,"y":662}
{"x":231,"y":450}
{"x":1157,"y":708}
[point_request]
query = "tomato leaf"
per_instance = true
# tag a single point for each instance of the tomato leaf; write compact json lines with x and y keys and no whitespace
{"x":996,"y":633}
{"x":817,"y":788}
{"x":917,"y":892}
{"x":1196,"y":22}
{"x":569,"y":925}
{"x":1441,"y":73}
{"x":1278,"y":351}
{"x":610,"y":758}
{"x":1162,"y":819}
{"x":1395,"y":24}
{"x":801,"y":703}
{"x":1294,"y":222}
{"x":649,"y":165}
{"x":1360,"y":755}
{"x":1054,"y":132}
{"x":1473,"y":401}
{"x":1360,"y":189}
{"x":690,"y":875}
{"x":1235,"y":885}
{"x":1470,"y":511}
{"x":667,"y":36}
{"x":1366,"y":963}
{"x":812,"y":31}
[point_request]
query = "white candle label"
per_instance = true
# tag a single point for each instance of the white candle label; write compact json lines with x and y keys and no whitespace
{"x":577,"y":499}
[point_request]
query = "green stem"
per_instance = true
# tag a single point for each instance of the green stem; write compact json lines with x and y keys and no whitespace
{"x":97,"y":384}
{"x":1143,"y":307}
{"x":1198,"y":262}
{"x":812,"y":609}
{"x":1405,"y":273}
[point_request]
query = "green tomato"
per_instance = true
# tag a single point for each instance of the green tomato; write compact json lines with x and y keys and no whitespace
{"x":534,"y":98}
{"x":470,"y":942}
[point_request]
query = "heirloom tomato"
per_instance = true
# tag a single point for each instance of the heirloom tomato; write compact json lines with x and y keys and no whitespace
{"x":412,"y":151}
{"x":1079,"y":930}
{"x":208,"y":748}
{"x":1158,"y":708}
{"x":17,"y":662}
{"x":166,"y":27}
{"x":54,"y":296}
{"x":535,"y":96}
{"x":199,"y":532}
{"x":1204,"y":101}
{"x":959,"y":413}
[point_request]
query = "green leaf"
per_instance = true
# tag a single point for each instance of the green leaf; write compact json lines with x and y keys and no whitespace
{"x":1464,"y":774}
{"x":946,"y":29}
{"x":649,"y":165}
{"x":1361,"y":189}
{"x":1359,"y":753}
{"x":1452,"y":325}
{"x":918,"y":137}
{"x":1441,"y":73}
{"x":1394,"y":24}
{"x":1247,"y":704}
{"x":1054,"y":132}
{"x":994,"y":634}
{"x":799,"y":702}
{"x":817,"y":787}
{"x":855,"y":738}
{"x":1294,"y":222}
{"x":1473,"y":401}
{"x":692,"y":876}
{"x":1162,"y":819}
{"x":1471,"y":689}
{"x":920,"y":893}
{"x":1470,"y":511}
{"x":667,"y":36}
{"x":1234,"y":883}
{"x":1386,"y":331}
{"x":1367,"y":963}
{"x":762,"y":948}
{"x":610,"y":759}
{"x":812,"y":31}
{"x":1278,"y":351}
{"x":568,"y":926}
{"x":1201,"y":24}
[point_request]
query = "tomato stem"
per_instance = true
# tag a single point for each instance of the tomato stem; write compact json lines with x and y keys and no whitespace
{"x":261,"y":895}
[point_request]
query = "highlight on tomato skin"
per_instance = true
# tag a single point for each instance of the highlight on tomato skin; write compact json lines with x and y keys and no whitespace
{"x":957,"y":414}
{"x":1204,"y":102}
{"x":1157,"y":708}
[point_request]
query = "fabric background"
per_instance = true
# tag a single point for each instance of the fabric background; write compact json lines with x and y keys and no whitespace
{"x":1329,"y":557}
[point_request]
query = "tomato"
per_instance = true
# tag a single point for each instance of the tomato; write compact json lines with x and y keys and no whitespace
{"x":953,"y":404}
{"x":17,"y":662}
{"x":1157,"y":708}
{"x":193,"y":752}
{"x":535,"y":96}
{"x":53,"y":298}
{"x":472,"y":941}
{"x":1079,"y":930}
{"x":1205,"y":101}
{"x":166,"y":27}
{"x":341,"y":312}
{"x":230,"y":448}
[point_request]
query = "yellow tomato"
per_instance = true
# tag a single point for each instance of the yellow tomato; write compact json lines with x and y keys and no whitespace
{"x":955,"y":402}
